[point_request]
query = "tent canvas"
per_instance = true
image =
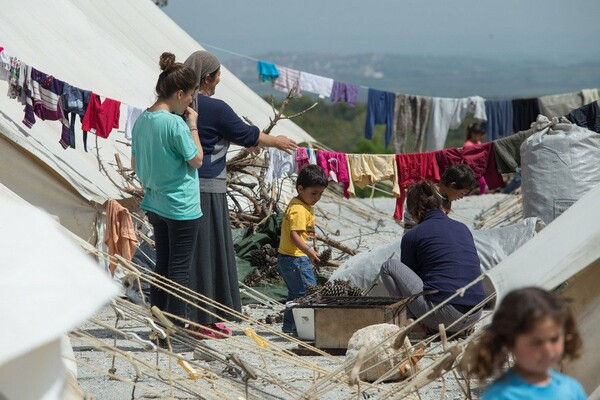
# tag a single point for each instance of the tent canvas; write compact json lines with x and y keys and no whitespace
{"x":566,"y":250}
{"x":110,"y":47}
{"x":48,"y":286}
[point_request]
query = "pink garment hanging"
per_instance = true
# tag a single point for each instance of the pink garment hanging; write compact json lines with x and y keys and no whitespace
{"x":482,"y":183}
{"x":480,"y":157}
{"x":335,"y":166}
{"x":302,"y":158}
{"x":413,"y":168}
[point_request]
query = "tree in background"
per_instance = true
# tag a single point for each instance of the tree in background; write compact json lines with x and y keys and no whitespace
{"x":341,"y":127}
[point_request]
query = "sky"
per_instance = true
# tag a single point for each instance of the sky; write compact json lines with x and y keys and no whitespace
{"x":558,"y":29}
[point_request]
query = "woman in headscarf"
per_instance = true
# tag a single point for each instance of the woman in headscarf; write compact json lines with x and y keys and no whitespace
{"x":214,"y":271}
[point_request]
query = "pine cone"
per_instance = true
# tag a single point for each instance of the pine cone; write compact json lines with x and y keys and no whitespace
{"x":257,"y":258}
{"x":271,"y":260}
{"x":310,"y":289}
{"x":355,"y":291}
{"x":334,"y":290}
{"x":339,"y":288}
{"x":253,"y":279}
{"x":325,"y":255}
{"x":273,"y":319}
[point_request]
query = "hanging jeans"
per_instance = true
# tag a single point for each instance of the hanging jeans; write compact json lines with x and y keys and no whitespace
{"x":175,"y":242}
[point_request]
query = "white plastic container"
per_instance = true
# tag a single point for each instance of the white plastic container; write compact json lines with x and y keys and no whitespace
{"x":305,"y":322}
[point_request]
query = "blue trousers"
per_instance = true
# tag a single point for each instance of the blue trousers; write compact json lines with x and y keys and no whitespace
{"x":175,"y":242}
{"x":297,"y":272}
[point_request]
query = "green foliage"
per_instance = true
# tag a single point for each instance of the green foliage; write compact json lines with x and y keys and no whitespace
{"x":338,"y":126}
{"x":341,"y":127}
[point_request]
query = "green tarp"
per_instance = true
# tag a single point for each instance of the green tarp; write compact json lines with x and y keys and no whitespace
{"x":244,"y":241}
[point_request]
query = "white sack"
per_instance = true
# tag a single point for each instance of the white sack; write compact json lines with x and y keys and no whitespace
{"x":493,"y":246}
{"x":558,"y":166}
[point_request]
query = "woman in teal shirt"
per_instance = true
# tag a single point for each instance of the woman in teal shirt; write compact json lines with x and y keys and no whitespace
{"x":166,"y":153}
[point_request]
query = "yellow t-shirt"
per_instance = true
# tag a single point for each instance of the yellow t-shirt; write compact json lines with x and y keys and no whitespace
{"x":299,"y":216}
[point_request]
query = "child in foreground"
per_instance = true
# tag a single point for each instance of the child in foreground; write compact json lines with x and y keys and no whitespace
{"x":297,"y":230}
{"x":538,"y":329}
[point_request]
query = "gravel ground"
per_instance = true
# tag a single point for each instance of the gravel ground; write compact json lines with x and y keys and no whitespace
{"x":94,"y":365}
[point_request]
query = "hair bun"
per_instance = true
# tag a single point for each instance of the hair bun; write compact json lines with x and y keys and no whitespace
{"x":167,"y":61}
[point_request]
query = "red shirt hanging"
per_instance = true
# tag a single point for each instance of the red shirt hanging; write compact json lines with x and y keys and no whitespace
{"x":413,"y":168}
{"x":101,"y":117}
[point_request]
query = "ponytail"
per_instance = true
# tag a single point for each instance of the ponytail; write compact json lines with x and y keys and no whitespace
{"x":422,"y":197}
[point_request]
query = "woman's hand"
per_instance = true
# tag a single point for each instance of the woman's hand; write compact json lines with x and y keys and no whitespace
{"x":286,"y":144}
{"x":191,"y":118}
{"x":280,"y":142}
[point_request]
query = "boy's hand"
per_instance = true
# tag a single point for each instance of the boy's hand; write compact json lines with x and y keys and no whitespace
{"x":313,"y":256}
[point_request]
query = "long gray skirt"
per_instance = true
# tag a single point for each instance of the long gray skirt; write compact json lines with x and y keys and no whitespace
{"x":214,"y":271}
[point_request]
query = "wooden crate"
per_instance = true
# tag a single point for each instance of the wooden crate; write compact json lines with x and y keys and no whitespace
{"x":336,"y":323}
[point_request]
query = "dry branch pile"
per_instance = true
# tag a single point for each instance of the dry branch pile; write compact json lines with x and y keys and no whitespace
{"x":252,"y":200}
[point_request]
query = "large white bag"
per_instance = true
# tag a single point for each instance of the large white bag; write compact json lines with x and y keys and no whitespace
{"x":558,"y":166}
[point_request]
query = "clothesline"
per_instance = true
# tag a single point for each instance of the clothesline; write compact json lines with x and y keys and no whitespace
{"x":428,"y":118}
{"x":49,"y":98}
{"x":245,"y":56}
{"x":488,"y":160}
{"x":24,"y":80}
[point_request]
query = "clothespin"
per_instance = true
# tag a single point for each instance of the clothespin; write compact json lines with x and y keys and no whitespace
{"x":261,"y":342}
{"x":192,"y":373}
{"x":407,"y":367}
{"x":120,"y":314}
{"x":155,"y":328}
{"x":354,"y":375}
{"x":148,"y":345}
{"x":443,"y":337}
{"x":169,"y":326}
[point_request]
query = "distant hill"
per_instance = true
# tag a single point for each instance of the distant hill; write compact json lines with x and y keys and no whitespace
{"x":342,"y":128}
{"x":433,"y":76}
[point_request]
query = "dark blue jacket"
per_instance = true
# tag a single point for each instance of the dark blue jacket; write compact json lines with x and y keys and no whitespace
{"x":442,"y":252}
{"x":218,"y":125}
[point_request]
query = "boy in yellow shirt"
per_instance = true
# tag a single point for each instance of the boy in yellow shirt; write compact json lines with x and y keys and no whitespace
{"x":297,"y":230}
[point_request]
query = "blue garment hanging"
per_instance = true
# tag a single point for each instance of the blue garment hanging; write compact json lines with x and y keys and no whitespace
{"x":380,"y":110}
{"x":267,"y":72}
{"x":499,"y":119}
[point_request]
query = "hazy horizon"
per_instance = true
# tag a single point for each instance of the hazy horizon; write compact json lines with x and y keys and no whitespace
{"x":559,"y":31}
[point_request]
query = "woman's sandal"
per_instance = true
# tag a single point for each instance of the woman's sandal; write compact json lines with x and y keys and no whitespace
{"x":212,"y":331}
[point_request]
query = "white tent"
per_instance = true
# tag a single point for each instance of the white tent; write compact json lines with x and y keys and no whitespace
{"x":112,"y":48}
{"x":49,"y":285}
{"x":566,"y":250}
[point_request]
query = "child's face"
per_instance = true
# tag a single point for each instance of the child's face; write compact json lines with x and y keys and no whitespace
{"x":539,"y":349}
{"x":452,"y":193}
{"x":310,"y":194}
